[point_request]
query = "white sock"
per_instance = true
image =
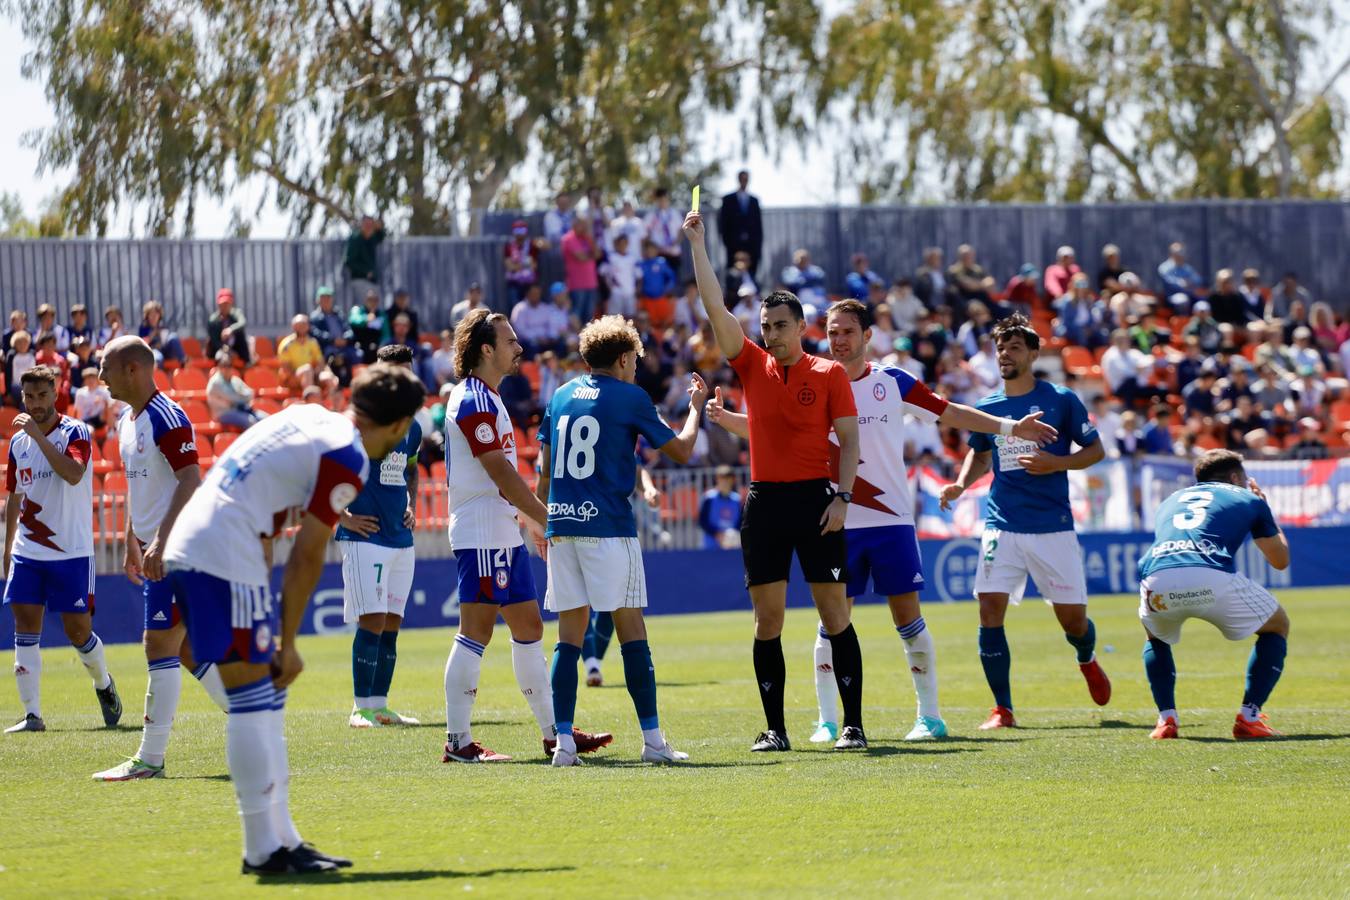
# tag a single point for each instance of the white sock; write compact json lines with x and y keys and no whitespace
{"x":922,"y":658}
{"x":1165,"y":714}
{"x":653,"y":737}
{"x":1250,"y":712}
{"x":592,"y":664}
{"x":208,"y":675}
{"x":377,"y":702}
{"x":91,"y":654}
{"x":567,"y":742}
{"x":827,"y":691}
{"x":248,"y":753}
{"x":281,"y":772}
{"x":461,"y":686}
{"x":527,"y":659}
{"x":161,"y":704}
{"x":366,"y":703}
{"x":28,"y":672}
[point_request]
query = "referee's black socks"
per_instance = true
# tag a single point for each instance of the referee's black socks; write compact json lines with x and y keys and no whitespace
{"x":848,"y":674}
{"x":770,"y":673}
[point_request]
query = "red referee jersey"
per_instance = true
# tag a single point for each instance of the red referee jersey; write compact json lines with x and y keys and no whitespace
{"x":792,"y":411}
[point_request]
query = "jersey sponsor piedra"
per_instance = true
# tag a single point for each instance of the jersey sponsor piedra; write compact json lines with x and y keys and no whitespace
{"x":592,"y":426}
{"x":385,"y":495}
{"x":155,"y":444}
{"x":305,"y":457}
{"x":1204,"y":526}
{"x":476,"y":423}
{"x":1023,"y":503}
{"x":881,"y":493}
{"x":55,"y":519}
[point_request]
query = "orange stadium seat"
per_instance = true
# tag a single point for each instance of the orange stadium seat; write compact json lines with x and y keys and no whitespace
{"x":7,"y":414}
{"x":263,"y":348}
{"x":115,"y":482}
{"x":530,"y":369}
{"x":192,"y":347}
{"x":223,"y":441}
{"x":112,"y":451}
{"x":162,"y":380}
{"x":267,"y":405}
{"x":264,"y":382}
{"x":189,"y":383}
{"x":1078,"y":361}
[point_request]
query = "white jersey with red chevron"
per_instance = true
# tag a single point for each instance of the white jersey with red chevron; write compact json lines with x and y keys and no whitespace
{"x":476,"y":422}
{"x":881,"y":492}
{"x":304,"y":457}
{"x":155,"y":444}
{"x":56,"y":520}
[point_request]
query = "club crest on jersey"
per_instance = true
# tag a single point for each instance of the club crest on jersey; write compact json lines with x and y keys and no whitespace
{"x":806,"y":396}
{"x":502,"y":579}
{"x":879,"y":391}
{"x":484,"y":433}
{"x":263,"y":637}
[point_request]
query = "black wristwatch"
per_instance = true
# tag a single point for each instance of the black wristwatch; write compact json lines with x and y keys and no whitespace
{"x":846,"y":496}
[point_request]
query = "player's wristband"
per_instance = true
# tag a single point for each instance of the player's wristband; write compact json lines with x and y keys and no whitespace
{"x":1005,"y":426}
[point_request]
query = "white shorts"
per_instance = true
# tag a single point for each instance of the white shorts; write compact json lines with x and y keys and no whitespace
{"x":603,"y":573}
{"x":1229,"y":601}
{"x":1054,"y":560}
{"x":375,"y":579}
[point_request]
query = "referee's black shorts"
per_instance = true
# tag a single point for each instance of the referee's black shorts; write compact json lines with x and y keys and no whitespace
{"x":783,"y":517}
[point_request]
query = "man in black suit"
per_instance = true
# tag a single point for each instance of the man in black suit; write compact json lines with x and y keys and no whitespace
{"x":740,"y":224}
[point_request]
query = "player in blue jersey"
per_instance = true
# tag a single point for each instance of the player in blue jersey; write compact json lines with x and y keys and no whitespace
{"x":1029,"y":528}
{"x":588,"y":472}
{"x":375,"y":534}
{"x":1190,"y":572}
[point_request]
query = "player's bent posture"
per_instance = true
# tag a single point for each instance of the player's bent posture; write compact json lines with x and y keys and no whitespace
{"x":486,"y":490}
{"x":307,"y":458}
{"x":1190,"y":573}
{"x":588,"y":471}
{"x":375,"y":534}
{"x":159,"y":452}
{"x":879,"y":530}
{"x":49,"y":545}
{"x":1029,"y":528}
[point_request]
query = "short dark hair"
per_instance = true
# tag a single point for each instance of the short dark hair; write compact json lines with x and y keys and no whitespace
{"x":40,"y":375}
{"x":397,"y":354}
{"x":1218,"y":465}
{"x":1017,"y":325}
{"x":474,"y":330}
{"x":384,"y":393}
{"x":784,"y":298}
{"x":855,"y":308}
{"x":661,"y":192}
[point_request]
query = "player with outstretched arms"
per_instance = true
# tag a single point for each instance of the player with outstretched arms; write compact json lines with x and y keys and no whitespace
{"x":879,"y":529}
{"x":376,"y":538}
{"x":587,"y":473}
{"x":1029,"y":528}
{"x":303,"y":458}
{"x":1190,"y":573}
{"x":49,"y":545}
{"x":486,"y":491}
{"x":159,"y":454}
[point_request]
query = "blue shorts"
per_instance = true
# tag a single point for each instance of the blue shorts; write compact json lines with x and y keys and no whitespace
{"x":226,"y":621}
{"x":889,"y":554}
{"x":61,"y":585}
{"x":162,"y":612}
{"x":499,"y":576}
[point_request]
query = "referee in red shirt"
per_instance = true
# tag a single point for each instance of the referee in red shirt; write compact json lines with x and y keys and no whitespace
{"x":792,"y":400}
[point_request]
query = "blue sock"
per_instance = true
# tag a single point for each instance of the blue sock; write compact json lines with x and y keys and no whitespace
{"x":1161,"y":672}
{"x":604,"y":631}
{"x":588,"y":642}
{"x":564,"y":681}
{"x":365,"y":657}
{"x":1263,"y":669}
{"x":640,"y":675}
{"x":997,"y":662}
{"x":384,"y":665}
{"x":1085,"y":643}
{"x":258,"y":696}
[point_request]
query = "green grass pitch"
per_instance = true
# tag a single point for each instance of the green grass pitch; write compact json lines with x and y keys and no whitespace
{"x":1077,"y":801}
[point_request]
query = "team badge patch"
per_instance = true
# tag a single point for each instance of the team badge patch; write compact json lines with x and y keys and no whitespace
{"x":263,"y":638}
{"x":341,"y":496}
{"x":806,"y":396}
{"x":879,"y":391}
{"x":484,"y":433}
{"x":502,"y":579}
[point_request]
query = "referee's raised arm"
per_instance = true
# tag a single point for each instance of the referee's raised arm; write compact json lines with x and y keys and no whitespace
{"x":727,"y":328}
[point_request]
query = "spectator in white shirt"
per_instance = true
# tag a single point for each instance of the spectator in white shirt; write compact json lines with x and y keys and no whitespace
{"x":536,"y":324}
{"x":985,"y":364}
{"x":472,"y":300}
{"x":747,"y":310}
{"x":626,"y":222}
{"x":94,"y":405}
{"x":558,"y":220}
{"x":1125,"y":367}
{"x":621,"y":272}
{"x":907,"y":310}
{"x":663,"y":228}
{"x":443,"y":360}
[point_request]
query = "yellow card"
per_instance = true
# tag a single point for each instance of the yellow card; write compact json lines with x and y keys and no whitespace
{"x":694,"y":204}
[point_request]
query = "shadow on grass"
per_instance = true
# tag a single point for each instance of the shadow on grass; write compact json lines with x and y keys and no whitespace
{"x":679,"y":684}
{"x":1282,"y":739}
{"x":345,"y":877}
{"x":1092,"y":726}
{"x":609,"y":762}
{"x":137,"y":727}
{"x":222,"y":777}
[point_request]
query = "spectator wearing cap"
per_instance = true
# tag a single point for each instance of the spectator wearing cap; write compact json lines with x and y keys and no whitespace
{"x":330,"y":329}
{"x":1253,"y":294}
{"x":79,"y":324}
{"x":537,"y":325}
{"x":1081,"y":318}
{"x":18,"y":321}
{"x":859,"y":282}
{"x":1021,"y":288}
{"x":805,"y":279}
{"x":1285,"y":294}
{"x":473,"y":298}
{"x":300,"y":354}
{"x":520,"y":257}
{"x":719,"y":513}
{"x":558,"y":220}
{"x":370,"y":326}
{"x":1059,"y":274}
{"x":1108,"y":274}
{"x":225,"y":328}
{"x":46,"y":314}
{"x":1179,"y":277}
{"x":1130,"y":301}
{"x":663,"y":225}
{"x":580,"y":256}
{"x":113,"y":327}
{"x":402,"y":304}
{"x":164,"y":343}
{"x":1204,"y":328}
{"x":360,"y":258}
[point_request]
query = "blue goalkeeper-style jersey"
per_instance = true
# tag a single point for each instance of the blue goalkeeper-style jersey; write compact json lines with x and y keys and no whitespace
{"x":591,"y":426}
{"x":1032,"y":504}
{"x":1204,"y":526}
{"x":385,"y":495}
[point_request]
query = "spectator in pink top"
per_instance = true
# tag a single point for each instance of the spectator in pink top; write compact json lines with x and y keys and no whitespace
{"x":1059,"y":276}
{"x":580,"y":252}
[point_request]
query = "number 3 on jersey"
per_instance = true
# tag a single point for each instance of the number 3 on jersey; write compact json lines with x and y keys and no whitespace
{"x":575,"y":456}
{"x":1197,"y":508}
